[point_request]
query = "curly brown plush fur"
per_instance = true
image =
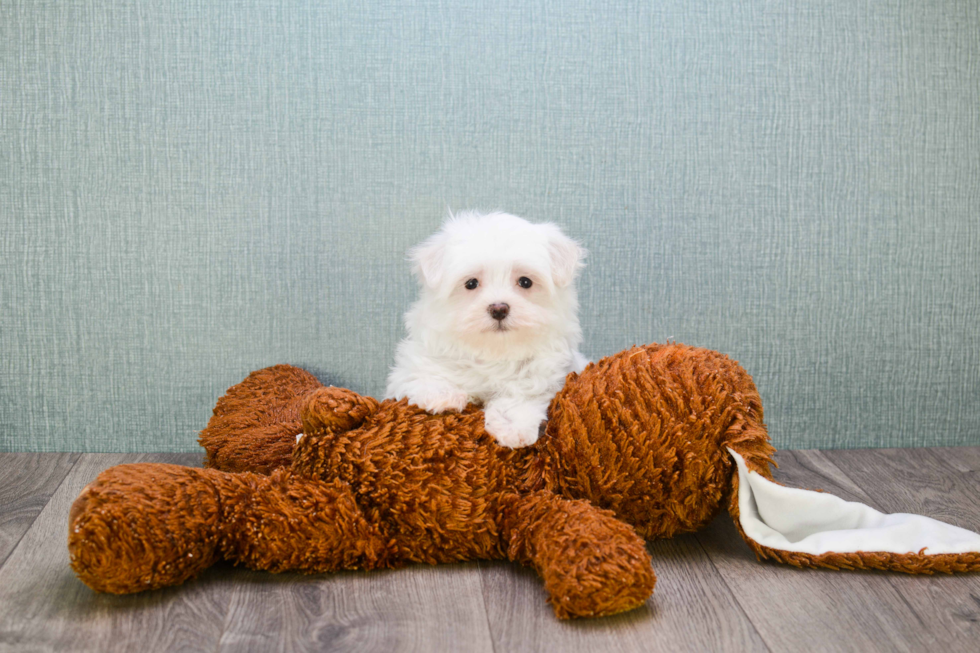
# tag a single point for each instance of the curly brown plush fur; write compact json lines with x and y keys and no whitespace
{"x":635,"y":447}
{"x":267,"y":407}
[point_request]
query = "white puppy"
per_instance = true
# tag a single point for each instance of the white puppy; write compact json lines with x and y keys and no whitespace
{"x":496,"y":322}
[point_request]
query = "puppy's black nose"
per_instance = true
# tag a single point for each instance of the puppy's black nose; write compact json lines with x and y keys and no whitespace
{"x":498,"y":311}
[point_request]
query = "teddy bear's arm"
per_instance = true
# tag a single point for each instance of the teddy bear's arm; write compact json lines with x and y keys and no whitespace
{"x":592,"y":563}
{"x":147,"y":526}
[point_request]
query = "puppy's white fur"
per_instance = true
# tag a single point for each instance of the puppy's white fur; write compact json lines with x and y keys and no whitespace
{"x":457,"y":352}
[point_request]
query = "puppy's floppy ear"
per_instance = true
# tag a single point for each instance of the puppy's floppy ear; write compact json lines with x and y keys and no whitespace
{"x":428,"y":259}
{"x":567,"y":256}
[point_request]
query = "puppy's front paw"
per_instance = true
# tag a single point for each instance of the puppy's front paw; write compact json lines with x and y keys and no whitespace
{"x":513,"y":428}
{"x":440,"y":400}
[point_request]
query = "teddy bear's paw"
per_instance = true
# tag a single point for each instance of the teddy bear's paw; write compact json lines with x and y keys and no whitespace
{"x":601,"y":592}
{"x":592,"y":563}
{"x":612,"y":575}
{"x":335,"y":410}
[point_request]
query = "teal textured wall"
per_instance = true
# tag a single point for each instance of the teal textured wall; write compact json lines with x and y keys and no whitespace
{"x":192,"y":190}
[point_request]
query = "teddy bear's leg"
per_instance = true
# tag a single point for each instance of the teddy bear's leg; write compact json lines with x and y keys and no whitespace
{"x":147,"y":526}
{"x":335,"y":410}
{"x":592,"y":563}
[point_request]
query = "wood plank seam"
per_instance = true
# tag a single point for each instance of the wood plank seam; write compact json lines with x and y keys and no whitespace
{"x":735,"y":596}
{"x":894,"y":581}
{"x":483,"y":599}
{"x":224,"y":623}
{"x":20,"y":539}
{"x":874,"y":503}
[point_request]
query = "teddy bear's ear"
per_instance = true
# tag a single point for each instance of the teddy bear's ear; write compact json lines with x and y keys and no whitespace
{"x":428,"y":259}
{"x":567,"y":256}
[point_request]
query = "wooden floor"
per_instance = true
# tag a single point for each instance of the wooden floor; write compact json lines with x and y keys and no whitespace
{"x":711,"y":595}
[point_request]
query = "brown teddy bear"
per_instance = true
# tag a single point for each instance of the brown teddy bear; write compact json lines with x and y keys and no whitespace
{"x":647,"y":443}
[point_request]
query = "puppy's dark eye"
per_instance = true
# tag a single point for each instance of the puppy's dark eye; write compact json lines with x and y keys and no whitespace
{"x":524,"y":282}
{"x":471,"y":284}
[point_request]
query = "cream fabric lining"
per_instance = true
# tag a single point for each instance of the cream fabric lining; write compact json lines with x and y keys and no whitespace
{"x":804,"y":521}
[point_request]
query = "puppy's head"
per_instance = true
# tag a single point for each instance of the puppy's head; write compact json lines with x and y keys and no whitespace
{"x":497,"y":284}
